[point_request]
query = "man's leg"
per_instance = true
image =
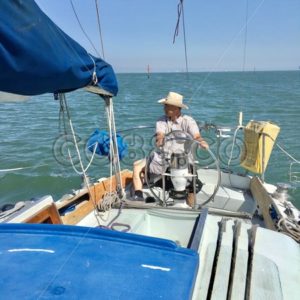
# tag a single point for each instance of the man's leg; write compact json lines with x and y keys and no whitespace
{"x":138,"y":169}
{"x":190,"y":199}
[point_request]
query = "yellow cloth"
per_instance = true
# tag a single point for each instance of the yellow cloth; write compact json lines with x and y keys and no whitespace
{"x":255,"y":134}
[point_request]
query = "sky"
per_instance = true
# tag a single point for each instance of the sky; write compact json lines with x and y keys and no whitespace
{"x":138,"y":33}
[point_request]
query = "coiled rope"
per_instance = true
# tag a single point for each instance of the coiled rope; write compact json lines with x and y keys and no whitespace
{"x":289,"y":227}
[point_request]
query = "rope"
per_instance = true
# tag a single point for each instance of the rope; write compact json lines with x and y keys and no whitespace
{"x":114,"y":153}
{"x":180,"y":11}
{"x":82,"y":29}
{"x":233,"y":143}
{"x":63,"y":100}
{"x":66,"y":38}
{"x":246,"y":36}
{"x":108,"y":200}
{"x":115,"y":138}
{"x":111,"y":150}
{"x":89,"y":164}
{"x":286,"y":153}
{"x":289,"y":227}
{"x":227,"y":49}
{"x":99,"y":28}
{"x":94,"y":77}
{"x":112,"y":224}
{"x":75,"y":143}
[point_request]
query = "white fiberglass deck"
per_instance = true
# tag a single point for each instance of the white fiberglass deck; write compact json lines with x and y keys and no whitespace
{"x":236,"y":258}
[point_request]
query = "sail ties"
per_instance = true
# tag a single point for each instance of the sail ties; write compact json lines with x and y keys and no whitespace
{"x":94,"y":75}
{"x":180,"y":12}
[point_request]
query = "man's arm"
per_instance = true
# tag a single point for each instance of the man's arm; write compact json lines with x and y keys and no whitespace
{"x":159,"y":139}
{"x":203,"y":144}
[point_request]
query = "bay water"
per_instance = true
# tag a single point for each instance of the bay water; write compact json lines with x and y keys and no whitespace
{"x":32,"y":132}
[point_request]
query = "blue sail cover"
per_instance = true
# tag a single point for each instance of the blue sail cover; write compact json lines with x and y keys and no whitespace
{"x":42,"y":261}
{"x":37,"y":57}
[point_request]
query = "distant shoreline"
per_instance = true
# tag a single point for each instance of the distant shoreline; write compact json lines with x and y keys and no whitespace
{"x":192,"y":72}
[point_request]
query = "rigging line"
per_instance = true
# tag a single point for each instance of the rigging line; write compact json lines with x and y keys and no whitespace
{"x":180,"y":11}
{"x":99,"y":28}
{"x":184,"y":37}
{"x":227,"y":49}
{"x":82,"y":29}
{"x":246,"y":36}
{"x":65,"y":108}
{"x":71,"y":47}
{"x":233,"y":143}
{"x":287,"y":154}
{"x":90,"y":162}
{"x":85,"y":177}
{"x":61,"y":33}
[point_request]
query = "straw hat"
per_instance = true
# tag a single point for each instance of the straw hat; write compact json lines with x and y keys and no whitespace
{"x":173,"y":99}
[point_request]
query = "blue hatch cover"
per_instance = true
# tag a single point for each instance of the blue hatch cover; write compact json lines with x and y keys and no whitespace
{"x":39,"y":261}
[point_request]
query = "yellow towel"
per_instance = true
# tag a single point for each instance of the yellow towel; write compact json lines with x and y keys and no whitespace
{"x":254,"y":134}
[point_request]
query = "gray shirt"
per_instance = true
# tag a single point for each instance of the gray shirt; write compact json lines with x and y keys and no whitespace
{"x":183,"y":123}
{"x":165,"y":126}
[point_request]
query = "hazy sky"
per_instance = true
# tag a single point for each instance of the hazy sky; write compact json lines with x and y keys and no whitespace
{"x":140,"y":32}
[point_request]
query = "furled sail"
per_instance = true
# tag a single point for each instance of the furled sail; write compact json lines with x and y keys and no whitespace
{"x":37,"y":57}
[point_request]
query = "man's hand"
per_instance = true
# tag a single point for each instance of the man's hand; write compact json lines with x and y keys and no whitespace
{"x":159,"y":139}
{"x":202,"y":143}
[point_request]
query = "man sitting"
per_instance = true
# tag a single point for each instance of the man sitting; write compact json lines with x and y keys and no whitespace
{"x":173,"y":120}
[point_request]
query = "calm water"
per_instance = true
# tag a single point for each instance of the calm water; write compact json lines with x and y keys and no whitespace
{"x":31,"y":138}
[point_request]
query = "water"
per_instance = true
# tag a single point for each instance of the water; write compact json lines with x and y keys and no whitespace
{"x":30,"y":136}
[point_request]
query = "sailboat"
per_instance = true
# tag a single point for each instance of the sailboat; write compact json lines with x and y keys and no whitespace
{"x":239,"y":239}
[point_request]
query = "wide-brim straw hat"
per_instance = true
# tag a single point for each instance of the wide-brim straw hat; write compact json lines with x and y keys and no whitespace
{"x":173,"y":99}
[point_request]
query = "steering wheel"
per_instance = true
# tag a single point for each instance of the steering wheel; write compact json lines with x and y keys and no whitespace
{"x":182,"y":137}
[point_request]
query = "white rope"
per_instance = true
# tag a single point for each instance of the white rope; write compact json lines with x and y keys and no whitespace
{"x":233,"y":143}
{"x":111,"y":150}
{"x":78,"y":152}
{"x":94,"y":77}
{"x":108,"y":200}
{"x":115,"y":137}
{"x":227,"y":49}
{"x":90,"y":162}
{"x":111,"y":197}
{"x":290,"y":228}
{"x":82,"y":29}
{"x":99,"y":28}
{"x":112,"y":134}
{"x":85,"y":177}
{"x":286,"y":153}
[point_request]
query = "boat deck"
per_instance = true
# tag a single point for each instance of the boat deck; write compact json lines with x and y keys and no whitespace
{"x":234,"y":253}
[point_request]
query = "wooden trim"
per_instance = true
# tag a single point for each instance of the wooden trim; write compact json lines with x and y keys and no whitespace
{"x":263,"y":200}
{"x":98,"y":190}
{"x":49,"y":215}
